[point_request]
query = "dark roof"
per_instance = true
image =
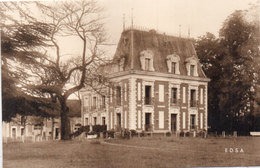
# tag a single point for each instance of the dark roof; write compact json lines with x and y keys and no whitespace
{"x":162,"y":45}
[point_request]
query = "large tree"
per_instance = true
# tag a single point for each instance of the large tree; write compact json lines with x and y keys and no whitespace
{"x":50,"y":76}
{"x":231,"y":63}
{"x":18,"y":41}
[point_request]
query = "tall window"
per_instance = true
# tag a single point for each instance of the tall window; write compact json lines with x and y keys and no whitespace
{"x":86,"y":121}
{"x":174,"y":67}
{"x":103,"y":120}
{"x":103,"y":101}
{"x":118,"y":94}
{"x":147,"y":94}
{"x":174,"y":96}
{"x":94,"y":102}
{"x":147,"y":63}
{"x":95,"y":120}
{"x":192,"y":98}
{"x":192,"y":69}
{"x":192,"y":121}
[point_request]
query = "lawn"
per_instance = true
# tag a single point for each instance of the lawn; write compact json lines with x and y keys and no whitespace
{"x":137,"y":152}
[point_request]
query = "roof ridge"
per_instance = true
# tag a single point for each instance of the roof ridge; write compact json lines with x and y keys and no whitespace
{"x":146,"y":29}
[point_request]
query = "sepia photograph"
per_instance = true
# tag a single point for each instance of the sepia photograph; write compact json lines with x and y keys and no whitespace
{"x":130,"y":83}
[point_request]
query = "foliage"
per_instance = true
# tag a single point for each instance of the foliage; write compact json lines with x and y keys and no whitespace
{"x":231,"y":62}
{"x":48,"y":74}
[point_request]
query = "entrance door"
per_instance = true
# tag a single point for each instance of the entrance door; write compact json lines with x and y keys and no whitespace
{"x":118,"y":120}
{"x":173,"y":122}
{"x":148,"y":125}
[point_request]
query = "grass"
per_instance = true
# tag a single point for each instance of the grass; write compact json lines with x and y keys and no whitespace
{"x":137,"y":152}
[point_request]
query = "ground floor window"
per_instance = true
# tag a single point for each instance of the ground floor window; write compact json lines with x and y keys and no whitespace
{"x":103,"y":120}
{"x":192,"y":121}
{"x":95,"y":120}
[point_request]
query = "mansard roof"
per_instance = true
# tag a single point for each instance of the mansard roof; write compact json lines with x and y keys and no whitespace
{"x":160,"y":44}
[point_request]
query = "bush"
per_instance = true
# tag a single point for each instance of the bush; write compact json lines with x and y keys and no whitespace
{"x":133,"y":133}
{"x":187,"y":134}
{"x":168,"y":134}
{"x":181,"y":134}
{"x":80,"y":131}
{"x":99,"y":128}
{"x":109,"y":133}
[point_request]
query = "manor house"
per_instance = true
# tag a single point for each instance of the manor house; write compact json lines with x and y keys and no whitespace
{"x":158,"y":86}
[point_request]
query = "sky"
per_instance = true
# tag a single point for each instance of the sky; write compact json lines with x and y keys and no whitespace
{"x":166,"y":15}
{"x":169,"y":16}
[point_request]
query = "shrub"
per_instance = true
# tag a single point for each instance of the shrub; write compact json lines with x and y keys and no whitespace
{"x":187,"y":134}
{"x":80,"y":131}
{"x":99,"y":128}
{"x":133,"y":133}
{"x":109,"y":133}
{"x":181,"y":134}
{"x":168,"y":134}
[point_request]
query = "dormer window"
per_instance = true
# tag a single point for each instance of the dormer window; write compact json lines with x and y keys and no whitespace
{"x":192,"y":68}
{"x":173,"y":69}
{"x":147,"y":63}
{"x":191,"y":65}
{"x":173,"y":63}
{"x":146,"y":59}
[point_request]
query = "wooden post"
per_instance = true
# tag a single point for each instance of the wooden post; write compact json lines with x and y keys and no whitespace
{"x":223,"y":134}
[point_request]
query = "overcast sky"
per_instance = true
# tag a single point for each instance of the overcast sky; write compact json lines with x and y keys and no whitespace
{"x":166,"y":15}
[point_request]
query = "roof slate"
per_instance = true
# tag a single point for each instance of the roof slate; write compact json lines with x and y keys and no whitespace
{"x":162,"y":45}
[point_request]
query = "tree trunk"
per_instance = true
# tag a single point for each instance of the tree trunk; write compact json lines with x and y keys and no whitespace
{"x":65,"y":128}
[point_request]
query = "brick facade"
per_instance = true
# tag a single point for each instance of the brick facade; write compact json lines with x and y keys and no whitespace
{"x":149,"y":97}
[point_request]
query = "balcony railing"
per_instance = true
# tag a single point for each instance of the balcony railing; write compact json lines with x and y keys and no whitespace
{"x":148,"y":100}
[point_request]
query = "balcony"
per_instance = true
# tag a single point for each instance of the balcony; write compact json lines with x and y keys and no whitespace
{"x":148,"y":101}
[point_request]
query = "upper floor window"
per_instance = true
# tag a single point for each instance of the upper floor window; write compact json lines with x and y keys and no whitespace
{"x":146,"y":59}
{"x":86,"y":101}
{"x":148,"y":99}
{"x":173,"y":63}
{"x":118,"y":94}
{"x":103,"y":101}
{"x":174,"y":96}
{"x":192,"y":98}
{"x":94,"y":102}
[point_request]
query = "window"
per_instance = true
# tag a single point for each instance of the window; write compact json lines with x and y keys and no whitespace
{"x":95,"y":120}
{"x":86,"y":101}
{"x":174,"y":96}
{"x":118,"y":94}
{"x":148,"y":95}
{"x":173,"y":67}
{"x":94,"y":102}
{"x":103,"y":101}
{"x":86,"y":121}
{"x":192,"y":69}
{"x":192,"y":98}
{"x":147,"y":64}
{"x":103,"y":120}
{"x":22,"y":131}
{"x":146,"y":59}
{"x":192,"y":121}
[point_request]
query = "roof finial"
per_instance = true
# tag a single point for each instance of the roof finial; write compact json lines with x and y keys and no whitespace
{"x":132,"y":20}
{"x":189,"y":31}
{"x":179,"y":30}
{"x":123,"y":22}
